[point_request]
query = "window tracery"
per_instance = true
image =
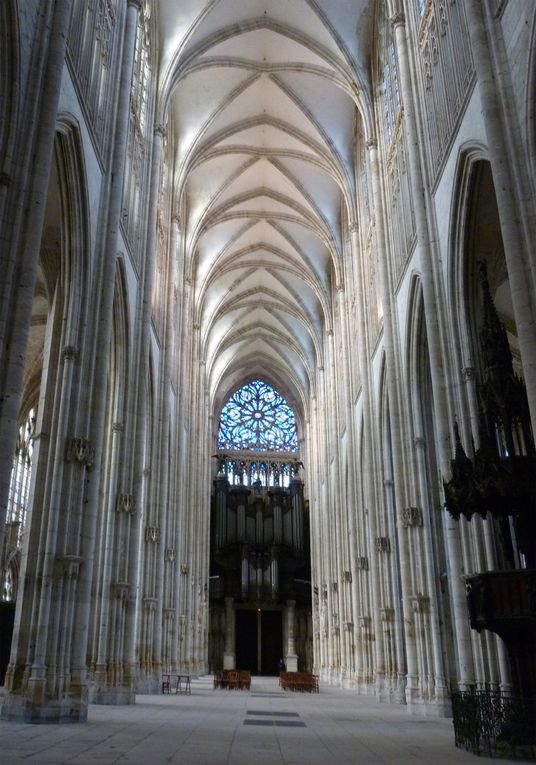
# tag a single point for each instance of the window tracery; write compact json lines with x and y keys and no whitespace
{"x":19,"y":488}
{"x":257,"y":418}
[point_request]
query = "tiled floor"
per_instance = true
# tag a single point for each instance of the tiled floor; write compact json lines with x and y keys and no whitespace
{"x":260,"y":727}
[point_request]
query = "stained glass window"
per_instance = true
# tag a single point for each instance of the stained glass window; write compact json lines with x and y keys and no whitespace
{"x":257,"y":418}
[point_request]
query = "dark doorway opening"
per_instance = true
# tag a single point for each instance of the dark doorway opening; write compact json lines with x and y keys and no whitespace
{"x":246,"y":640}
{"x":259,"y":641}
{"x":7,"y":619}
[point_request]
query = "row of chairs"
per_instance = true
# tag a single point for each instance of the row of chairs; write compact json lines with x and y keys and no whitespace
{"x":239,"y":679}
{"x":299,"y":681}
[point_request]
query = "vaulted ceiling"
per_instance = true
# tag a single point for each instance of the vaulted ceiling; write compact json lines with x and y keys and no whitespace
{"x":264,"y":96}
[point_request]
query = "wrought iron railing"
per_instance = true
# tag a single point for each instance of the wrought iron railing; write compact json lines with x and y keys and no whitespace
{"x":495,"y":724}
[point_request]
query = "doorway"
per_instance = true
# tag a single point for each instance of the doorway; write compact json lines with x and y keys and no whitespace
{"x":259,"y":640}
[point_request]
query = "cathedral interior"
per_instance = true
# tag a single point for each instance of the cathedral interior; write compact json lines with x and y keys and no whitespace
{"x":268,"y":347}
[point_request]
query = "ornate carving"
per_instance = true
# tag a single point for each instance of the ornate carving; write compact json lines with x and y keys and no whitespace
{"x":152,"y":534}
{"x":398,"y":19}
{"x":362,"y":563}
{"x":125,"y":503}
{"x":371,"y":143}
{"x":348,"y":577}
{"x":69,"y":565}
{"x":411,"y":516}
{"x":80,"y":450}
{"x":387,"y":614}
{"x":70,"y":353}
{"x":420,"y":603}
{"x":383,"y":545}
{"x":169,"y":555}
{"x":185,"y":568}
{"x":120,"y":589}
{"x":150,"y":604}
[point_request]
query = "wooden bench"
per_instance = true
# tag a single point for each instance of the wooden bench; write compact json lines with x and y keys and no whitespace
{"x":239,"y":679}
{"x":305,"y":682}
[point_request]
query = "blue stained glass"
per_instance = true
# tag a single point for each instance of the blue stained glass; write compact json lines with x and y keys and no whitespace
{"x":257,"y":418}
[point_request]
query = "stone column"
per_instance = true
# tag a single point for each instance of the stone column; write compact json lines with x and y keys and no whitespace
{"x":103,"y":329}
{"x":369,"y":456}
{"x":291,"y":659}
{"x":20,"y":248}
{"x":432,"y":298}
{"x":229,"y":657}
{"x":507,"y":170}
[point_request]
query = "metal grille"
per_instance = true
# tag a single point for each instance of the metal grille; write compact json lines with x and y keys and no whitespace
{"x":495,"y":724}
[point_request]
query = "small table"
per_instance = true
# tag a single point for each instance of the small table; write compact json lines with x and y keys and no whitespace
{"x":181,"y":683}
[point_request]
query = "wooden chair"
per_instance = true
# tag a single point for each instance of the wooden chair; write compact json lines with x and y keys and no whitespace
{"x":233,"y":679}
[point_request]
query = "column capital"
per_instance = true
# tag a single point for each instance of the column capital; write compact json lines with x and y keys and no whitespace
{"x":371,"y":143}
{"x":353,"y":227}
{"x":398,"y":19}
{"x":70,"y":352}
{"x":136,"y":4}
{"x":160,"y":129}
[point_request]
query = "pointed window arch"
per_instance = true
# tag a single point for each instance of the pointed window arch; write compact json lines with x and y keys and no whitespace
{"x":257,"y":418}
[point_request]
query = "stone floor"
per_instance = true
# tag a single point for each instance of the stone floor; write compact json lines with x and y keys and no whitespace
{"x":261,"y":727}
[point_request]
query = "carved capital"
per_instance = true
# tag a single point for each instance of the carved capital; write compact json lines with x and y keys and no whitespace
{"x":411,"y":516}
{"x":136,"y":4}
{"x":120,"y":590}
{"x":125,"y":503}
{"x":70,"y":353}
{"x":160,"y":130}
{"x":468,"y":373}
{"x":185,"y":568}
{"x":169,"y":555}
{"x":347,"y":575}
{"x":117,"y":427}
{"x":149,"y":604}
{"x":353,"y":227}
{"x":371,"y":143}
{"x":152,"y":534}
{"x":387,"y":614}
{"x":420,"y":603}
{"x":69,"y":565}
{"x":398,"y":19}
{"x":362,"y":563}
{"x":383,"y":545}
{"x":80,"y":450}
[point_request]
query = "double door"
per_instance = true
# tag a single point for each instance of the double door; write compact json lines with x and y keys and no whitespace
{"x":259,"y":640}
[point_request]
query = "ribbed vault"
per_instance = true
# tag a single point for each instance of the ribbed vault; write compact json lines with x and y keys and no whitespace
{"x":264,"y":97}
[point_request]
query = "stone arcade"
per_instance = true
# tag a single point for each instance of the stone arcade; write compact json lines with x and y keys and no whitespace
{"x":332,"y":202}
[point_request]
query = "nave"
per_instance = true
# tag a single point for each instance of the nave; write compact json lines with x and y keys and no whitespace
{"x":264,"y":726}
